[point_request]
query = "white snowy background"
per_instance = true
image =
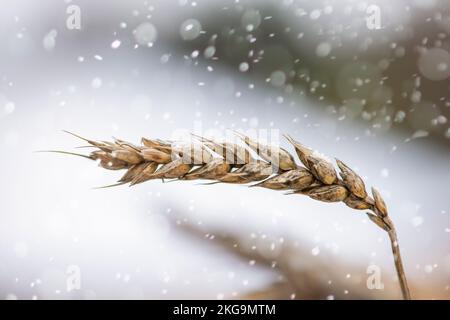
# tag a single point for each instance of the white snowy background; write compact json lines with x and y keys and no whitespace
{"x":106,"y":80}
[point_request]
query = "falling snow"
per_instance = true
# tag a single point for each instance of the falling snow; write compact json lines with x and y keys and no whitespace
{"x":377,"y":98}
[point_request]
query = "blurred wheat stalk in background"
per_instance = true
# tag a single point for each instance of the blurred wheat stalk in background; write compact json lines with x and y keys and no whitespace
{"x":228,"y":162}
{"x":299,"y":276}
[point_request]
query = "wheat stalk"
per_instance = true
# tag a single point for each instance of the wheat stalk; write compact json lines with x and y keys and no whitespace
{"x":228,"y":162}
{"x":307,"y":282}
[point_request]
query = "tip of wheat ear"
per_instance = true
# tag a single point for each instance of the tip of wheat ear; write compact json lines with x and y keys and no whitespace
{"x":158,"y":159}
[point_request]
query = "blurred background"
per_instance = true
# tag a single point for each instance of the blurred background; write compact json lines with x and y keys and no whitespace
{"x":365,"y":81}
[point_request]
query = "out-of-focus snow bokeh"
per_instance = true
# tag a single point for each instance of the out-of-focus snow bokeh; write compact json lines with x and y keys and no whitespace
{"x":377,"y":99}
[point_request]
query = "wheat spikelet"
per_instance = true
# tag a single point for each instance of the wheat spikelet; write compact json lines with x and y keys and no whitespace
{"x":226,"y":162}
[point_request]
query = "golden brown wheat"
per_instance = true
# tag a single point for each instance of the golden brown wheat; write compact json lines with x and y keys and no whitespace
{"x":228,"y":162}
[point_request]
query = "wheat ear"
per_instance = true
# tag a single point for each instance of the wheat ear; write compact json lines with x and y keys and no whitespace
{"x":228,"y":162}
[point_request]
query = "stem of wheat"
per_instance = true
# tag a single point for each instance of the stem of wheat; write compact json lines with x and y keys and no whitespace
{"x":229,"y":162}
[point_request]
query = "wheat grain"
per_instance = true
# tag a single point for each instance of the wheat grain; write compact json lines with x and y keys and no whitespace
{"x":228,"y":162}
